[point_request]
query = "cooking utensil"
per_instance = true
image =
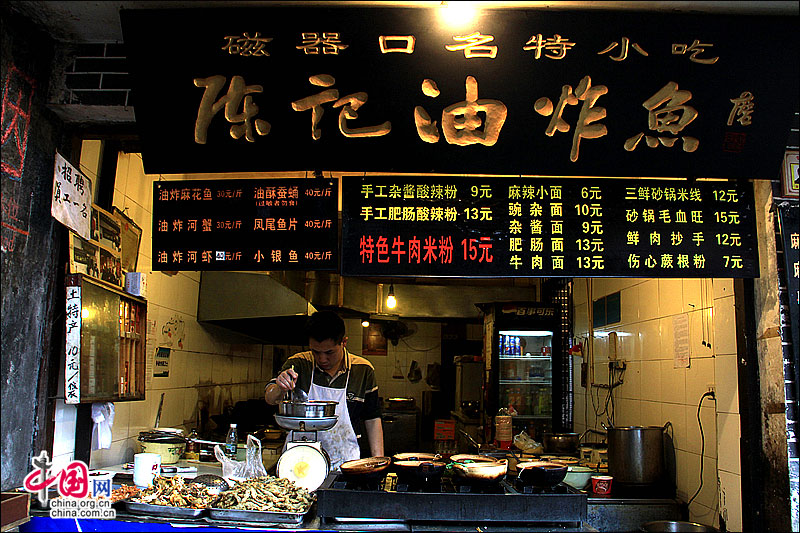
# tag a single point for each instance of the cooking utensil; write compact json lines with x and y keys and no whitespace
{"x":483,"y":472}
{"x":420,"y":471}
{"x":211,"y":481}
{"x":566,"y":443}
{"x":636,"y":454}
{"x":540,"y":473}
{"x":309,"y":409}
{"x":470,"y":458}
{"x":417,"y":456}
{"x":306,"y":424}
{"x":367,"y":469}
{"x":158,"y":414}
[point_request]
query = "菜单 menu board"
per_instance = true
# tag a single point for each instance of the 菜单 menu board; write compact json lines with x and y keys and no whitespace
{"x":245,"y":224}
{"x":531,"y":227}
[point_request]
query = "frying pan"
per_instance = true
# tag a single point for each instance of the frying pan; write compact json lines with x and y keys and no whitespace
{"x":482,"y":472}
{"x":367,"y":469}
{"x":420,"y":471}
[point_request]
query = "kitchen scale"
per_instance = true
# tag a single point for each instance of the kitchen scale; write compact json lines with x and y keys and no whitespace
{"x":304,"y":461}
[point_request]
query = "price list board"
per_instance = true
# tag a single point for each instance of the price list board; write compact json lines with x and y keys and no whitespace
{"x":517,"y":227}
{"x":248,"y":224}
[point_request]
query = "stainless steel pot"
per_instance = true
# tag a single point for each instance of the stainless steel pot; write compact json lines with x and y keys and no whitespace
{"x":636,"y":454}
{"x":309,"y":409}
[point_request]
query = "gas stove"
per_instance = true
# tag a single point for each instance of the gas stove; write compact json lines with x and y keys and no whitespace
{"x":449,"y":500}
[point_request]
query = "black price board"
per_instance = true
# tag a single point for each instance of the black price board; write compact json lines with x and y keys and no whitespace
{"x":519,"y":227}
{"x":790,"y":222}
{"x":245,"y":224}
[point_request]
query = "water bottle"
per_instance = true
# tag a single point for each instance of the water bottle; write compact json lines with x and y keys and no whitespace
{"x":230,"y":442}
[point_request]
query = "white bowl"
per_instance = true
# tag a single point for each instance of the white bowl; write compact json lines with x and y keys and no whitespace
{"x":578,"y":476}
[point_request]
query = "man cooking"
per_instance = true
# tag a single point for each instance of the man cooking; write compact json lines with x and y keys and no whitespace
{"x":329,"y":372}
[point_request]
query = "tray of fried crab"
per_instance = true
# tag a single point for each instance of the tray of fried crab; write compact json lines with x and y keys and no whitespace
{"x":262,"y":499}
{"x":172,"y":497}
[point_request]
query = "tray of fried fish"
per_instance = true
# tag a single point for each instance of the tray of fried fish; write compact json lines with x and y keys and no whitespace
{"x":262,"y":499}
{"x":171,"y":497}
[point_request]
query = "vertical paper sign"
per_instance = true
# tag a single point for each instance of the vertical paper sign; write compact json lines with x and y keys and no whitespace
{"x":72,"y":201}
{"x":680,"y":331}
{"x":161,"y":369}
{"x":72,"y":366}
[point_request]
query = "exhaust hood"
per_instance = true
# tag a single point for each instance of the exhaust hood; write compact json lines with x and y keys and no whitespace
{"x":272,"y":307}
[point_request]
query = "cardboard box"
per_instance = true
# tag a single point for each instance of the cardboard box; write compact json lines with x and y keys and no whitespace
{"x":136,"y":284}
{"x":444,"y":430}
{"x":15,"y":509}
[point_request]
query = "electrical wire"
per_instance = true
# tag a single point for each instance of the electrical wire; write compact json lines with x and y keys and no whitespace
{"x":702,"y":443}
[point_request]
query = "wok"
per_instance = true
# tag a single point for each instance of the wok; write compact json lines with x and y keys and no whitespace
{"x":367,"y":469}
{"x":416,"y":456}
{"x":470,"y":458}
{"x":418,"y":471}
{"x":564,"y":443}
{"x":483,"y":472}
{"x":541,"y":473}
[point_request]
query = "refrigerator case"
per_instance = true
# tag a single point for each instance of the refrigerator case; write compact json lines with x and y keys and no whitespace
{"x":526,"y":368}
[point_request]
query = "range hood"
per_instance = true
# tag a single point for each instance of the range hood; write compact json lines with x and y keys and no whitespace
{"x":272,"y":307}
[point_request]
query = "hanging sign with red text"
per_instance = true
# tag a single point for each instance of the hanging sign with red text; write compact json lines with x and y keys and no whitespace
{"x":245,"y":224}
{"x":512,"y":227}
{"x":532,"y":92}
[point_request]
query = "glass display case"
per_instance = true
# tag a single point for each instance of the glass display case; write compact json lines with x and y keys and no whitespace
{"x":105,"y":343}
{"x":525,"y":372}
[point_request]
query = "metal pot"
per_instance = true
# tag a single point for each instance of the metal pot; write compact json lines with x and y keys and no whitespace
{"x":636,"y":454}
{"x":309,"y":409}
{"x":565,"y":443}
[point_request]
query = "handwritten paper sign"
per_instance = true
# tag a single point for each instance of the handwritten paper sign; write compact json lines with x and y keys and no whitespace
{"x":72,"y":200}
{"x":72,"y":369}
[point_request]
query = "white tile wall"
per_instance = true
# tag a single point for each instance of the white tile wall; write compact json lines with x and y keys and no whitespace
{"x":654,"y":391}
{"x":204,"y":367}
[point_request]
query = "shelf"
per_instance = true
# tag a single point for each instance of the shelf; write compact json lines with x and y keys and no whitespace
{"x":526,"y":382}
{"x":525,"y":357}
{"x":532,"y":417}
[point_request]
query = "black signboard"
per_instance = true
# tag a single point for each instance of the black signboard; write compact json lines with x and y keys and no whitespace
{"x":790,"y":222}
{"x":512,"y":227}
{"x":245,"y":224}
{"x":514,"y":91}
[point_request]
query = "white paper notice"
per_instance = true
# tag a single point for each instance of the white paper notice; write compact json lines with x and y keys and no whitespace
{"x":72,"y":202}
{"x":150,"y":350}
{"x":680,"y":332}
{"x":72,"y":368}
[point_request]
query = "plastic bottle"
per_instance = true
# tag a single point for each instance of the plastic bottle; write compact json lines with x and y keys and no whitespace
{"x":502,"y":345}
{"x":230,"y":442}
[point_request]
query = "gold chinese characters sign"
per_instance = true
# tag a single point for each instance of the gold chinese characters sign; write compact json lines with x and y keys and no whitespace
{"x":512,"y":92}
{"x":512,"y":227}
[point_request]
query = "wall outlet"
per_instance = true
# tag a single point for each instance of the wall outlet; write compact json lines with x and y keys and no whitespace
{"x":711,"y":388}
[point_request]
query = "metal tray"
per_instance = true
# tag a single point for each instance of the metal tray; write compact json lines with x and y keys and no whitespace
{"x":164,"y":511}
{"x":283,"y":517}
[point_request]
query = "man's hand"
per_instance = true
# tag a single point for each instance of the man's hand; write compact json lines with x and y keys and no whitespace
{"x":286,"y":381}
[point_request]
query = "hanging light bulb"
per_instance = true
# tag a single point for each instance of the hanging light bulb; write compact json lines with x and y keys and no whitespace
{"x":365,"y":323}
{"x":391,"y":301}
